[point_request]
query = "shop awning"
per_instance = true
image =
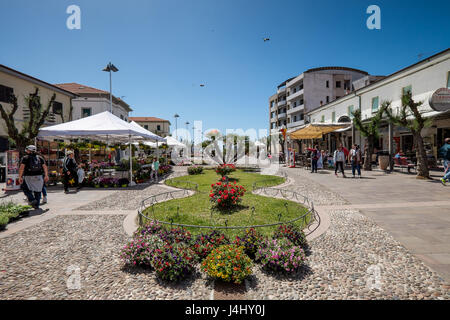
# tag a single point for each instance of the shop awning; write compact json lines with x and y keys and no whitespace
{"x":316,"y":131}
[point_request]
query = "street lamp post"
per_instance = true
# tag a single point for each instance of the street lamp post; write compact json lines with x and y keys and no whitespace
{"x":176,"y":116}
{"x":110,"y":68}
{"x":193,"y":141}
{"x":187,"y":130}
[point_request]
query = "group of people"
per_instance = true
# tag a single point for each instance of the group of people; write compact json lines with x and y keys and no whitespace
{"x":33,"y":175}
{"x":354,"y":156}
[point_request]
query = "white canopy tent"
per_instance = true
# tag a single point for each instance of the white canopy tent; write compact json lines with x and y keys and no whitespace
{"x":260,"y":144}
{"x":102,"y":126}
{"x":169,"y":141}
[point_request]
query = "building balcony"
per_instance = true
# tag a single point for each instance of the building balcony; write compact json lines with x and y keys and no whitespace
{"x":296,"y":109}
{"x":282,"y":115}
{"x":282,"y":103}
{"x":296,"y":124}
{"x":281,"y":90}
{"x":296,"y":95}
{"x":274,"y":108}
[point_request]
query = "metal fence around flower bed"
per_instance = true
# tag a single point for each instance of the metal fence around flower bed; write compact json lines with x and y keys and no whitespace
{"x":309,"y":219}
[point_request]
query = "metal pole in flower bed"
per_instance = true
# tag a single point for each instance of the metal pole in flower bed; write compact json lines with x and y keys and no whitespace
{"x":132,"y":183}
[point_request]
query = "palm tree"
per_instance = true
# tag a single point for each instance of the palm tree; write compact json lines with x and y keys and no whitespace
{"x":370,"y":130}
{"x":409,"y":116}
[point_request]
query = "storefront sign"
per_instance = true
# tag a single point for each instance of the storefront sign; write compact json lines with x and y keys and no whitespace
{"x":440,"y":100}
{"x":12,"y":170}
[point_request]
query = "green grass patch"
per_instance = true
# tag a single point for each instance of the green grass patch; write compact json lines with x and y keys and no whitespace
{"x":253,"y":210}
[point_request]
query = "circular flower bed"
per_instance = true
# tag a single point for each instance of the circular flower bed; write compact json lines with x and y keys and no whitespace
{"x":173,"y":253}
{"x":228,"y":263}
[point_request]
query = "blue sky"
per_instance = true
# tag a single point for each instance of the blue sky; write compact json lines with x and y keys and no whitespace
{"x":165,"y":49}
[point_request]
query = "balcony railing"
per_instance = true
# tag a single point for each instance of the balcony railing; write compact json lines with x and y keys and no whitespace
{"x":281,"y":103}
{"x":282,"y":115}
{"x":296,"y":95}
{"x":281,"y":90}
{"x":296,"y":123}
{"x":296,"y":109}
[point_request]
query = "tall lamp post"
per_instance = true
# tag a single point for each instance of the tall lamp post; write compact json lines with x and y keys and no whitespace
{"x":193,"y":141}
{"x":110,"y":68}
{"x":187,"y":129}
{"x":176,"y":116}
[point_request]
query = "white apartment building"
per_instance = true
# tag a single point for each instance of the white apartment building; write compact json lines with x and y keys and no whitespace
{"x":91,"y":101}
{"x":304,"y":93}
{"x":422,"y":79}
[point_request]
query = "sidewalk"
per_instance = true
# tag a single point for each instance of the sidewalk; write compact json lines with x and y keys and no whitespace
{"x":415,"y":212}
{"x":59,"y":203}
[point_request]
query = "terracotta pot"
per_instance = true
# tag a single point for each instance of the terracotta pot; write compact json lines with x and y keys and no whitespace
{"x":384,"y":162}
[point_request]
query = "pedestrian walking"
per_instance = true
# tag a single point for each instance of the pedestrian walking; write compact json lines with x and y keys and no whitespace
{"x":355,"y":160}
{"x":70,"y":171}
{"x":33,"y":173}
{"x":444,"y":151}
{"x":320,"y":160}
{"x":314,"y":159}
{"x":155,"y":168}
{"x":339,"y":160}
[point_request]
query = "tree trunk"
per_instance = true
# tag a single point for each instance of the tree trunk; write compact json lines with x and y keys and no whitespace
{"x":368,"y":155}
{"x":421,"y":155}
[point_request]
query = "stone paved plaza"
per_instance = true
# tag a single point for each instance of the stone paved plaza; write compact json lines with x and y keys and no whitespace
{"x":361,"y":254}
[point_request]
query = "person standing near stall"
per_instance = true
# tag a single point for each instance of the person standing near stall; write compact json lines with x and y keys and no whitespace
{"x":70,"y":171}
{"x":33,"y":173}
{"x":315,"y":155}
{"x":155,"y":168}
{"x":445,"y":152}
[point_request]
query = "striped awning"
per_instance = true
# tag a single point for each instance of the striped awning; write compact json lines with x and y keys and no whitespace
{"x":316,"y":131}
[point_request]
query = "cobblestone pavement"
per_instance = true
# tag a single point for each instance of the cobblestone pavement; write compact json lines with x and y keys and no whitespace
{"x":77,"y":257}
{"x":354,"y":259}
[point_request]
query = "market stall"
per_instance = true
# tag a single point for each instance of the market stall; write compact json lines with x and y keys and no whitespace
{"x":104,"y":127}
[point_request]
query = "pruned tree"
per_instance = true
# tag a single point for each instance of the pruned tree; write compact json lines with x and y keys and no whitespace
{"x":30,"y":129}
{"x":370,"y":130}
{"x":409,"y":116}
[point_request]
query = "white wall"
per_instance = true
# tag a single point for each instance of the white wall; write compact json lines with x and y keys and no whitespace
{"x":424,"y":80}
{"x":97,"y":105}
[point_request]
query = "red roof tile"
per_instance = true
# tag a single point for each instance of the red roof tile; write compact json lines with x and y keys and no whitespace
{"x":147,"y":119}
{"x":79,"y":88}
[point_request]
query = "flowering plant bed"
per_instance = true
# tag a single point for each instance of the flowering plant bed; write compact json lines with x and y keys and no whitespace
{"x":173,"y":262}
{"x":206,"y":242}
{"x":228,"y":263}
{"x":225,"y":169}
{"x":226,"y":195}
{"x":250,"y":241}
{"x":280,"y":255}
{"x":139,"y":251}
{"x":292,"y":233}
{"x":11,"y":211}
{"x":195,"y":170}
